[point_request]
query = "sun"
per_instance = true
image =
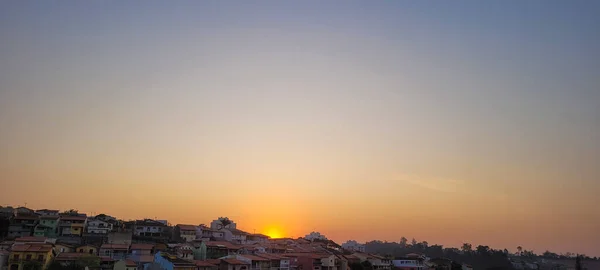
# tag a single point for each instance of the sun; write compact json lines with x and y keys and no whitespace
{"x":273,"y":232}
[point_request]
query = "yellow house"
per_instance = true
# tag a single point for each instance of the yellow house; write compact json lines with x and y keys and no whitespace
{"x":70,"y":225}
{"x":87,"y":249}
{"x":34,"y":253}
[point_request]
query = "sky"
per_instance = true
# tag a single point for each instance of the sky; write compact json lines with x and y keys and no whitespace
{"x":444,"y":121}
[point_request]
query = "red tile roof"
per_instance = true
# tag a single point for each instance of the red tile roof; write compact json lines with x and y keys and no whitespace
{"x":115,"y":246}
{"x":39,"y":239}
{"x":130,"y":263}
{"x":184,"y":227}
{"x":254,"y":257}
{"x":214,"y":261}
{"x":142,"y":246}
{"x":224,"y":244}
{"x":32,"y":248}
{"x":204,"y":264}
{"x":234,"y":261}
{"x":49,"y":217}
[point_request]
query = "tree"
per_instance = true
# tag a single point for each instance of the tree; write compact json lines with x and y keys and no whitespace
{"x":483,"y":250}
{"x":413,"y":242}
{"x":578,"y":263}
{"x":225,"y":221}
{"x":425,"y":244}
{"x":32,"y":265}
{"x":519,"y":250}
{"x":467,"y":248}
{"x":403,"y":241}
{"x":367,"y":265}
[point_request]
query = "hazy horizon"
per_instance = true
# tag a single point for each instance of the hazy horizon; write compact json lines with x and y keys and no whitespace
{"x":451,"y":122}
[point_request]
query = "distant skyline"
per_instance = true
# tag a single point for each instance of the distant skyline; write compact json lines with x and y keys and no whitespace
{"x":451,"y":122}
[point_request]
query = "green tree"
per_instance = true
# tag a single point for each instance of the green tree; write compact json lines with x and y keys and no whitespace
{"x":520,"y":250}
{"x":467,"y":248}
{"x":413,"y":242}
{"x":32,"y":265}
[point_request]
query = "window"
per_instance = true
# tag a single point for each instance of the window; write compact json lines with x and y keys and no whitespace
{"x":16,"y":257}
{"x":28,"y":257}
{"x":40,"y":257}
{"x":81,"y":250}
{"x":91,"y":251}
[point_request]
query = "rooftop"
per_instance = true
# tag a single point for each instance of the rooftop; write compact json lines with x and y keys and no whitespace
{"x":204,"y":264}
{"x":234,"y":261}
{"x":185,"y":227}
{"x":32,"y":248}
{"x":115,"y":246}
{"x":142,"y":246}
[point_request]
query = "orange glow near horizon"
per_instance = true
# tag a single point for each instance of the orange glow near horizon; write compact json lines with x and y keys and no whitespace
{"x":274,"y":232}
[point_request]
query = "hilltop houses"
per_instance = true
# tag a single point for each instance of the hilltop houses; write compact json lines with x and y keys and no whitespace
{"x":71,"y":237}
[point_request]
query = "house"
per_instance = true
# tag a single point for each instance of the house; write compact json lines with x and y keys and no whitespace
{"x":105,"y":218}
{"x":277,"y":261}
{"x":23,"y":211}
{"x":87,"y":249}
{"x":171,"y":262}
{"x":205,"y":265}
{"x":352,"y":245}
{"x":378,"y":262}
{"x":218,"y":249}
{"x":151,"y":229}
{"x":141,"y":253}
{"x":47,"y":226}
{"x":409,"y":263}
{"x":71,"y":225}
{"x":22,"y":225}
{"x":233,"y":264}
{"x":20,"y":255}
{"x":97,"y":226}
{"x":186,"y":233}
{"x":114,"y":251}
{"x":47,"y":212}
{"x":125,"y":265}
{"x":257,"y":238}
{"x":141,"y":249}
{"x":315,"y":236}
{"x":208,"y":234}
{"x":63,"y":247}
{"x":306,"y":260}
{"x":67,"y":258}
{"x":256,"y":262}
{"x":238,"y":236}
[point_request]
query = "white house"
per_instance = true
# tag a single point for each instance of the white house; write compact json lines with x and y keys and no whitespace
{"x":186,"y":233}
{"x":353,"y":246}
{"x":238,"y":236}
{"x":315,"y":236}
{"x":98,"y":226}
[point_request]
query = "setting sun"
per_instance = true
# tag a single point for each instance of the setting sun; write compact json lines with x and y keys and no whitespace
{"x":274,"y":232}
